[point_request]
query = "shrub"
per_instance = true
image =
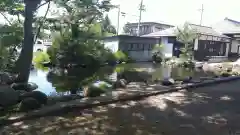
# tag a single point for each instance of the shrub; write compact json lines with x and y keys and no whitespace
{"x":40,"y":57}
{"x":121,"y":56}
{"x":95,"y":91}
{"x":38,"y":95}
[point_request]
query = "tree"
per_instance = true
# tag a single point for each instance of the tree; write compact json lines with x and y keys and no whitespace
{"x":126,"y":29}
{"x":186,"y":35}
{"x":10,"y":40}
{"x":157,"y":51}
{"x":25,"y":59}
{"x":107,"y":26}
{"x":23,"y":9}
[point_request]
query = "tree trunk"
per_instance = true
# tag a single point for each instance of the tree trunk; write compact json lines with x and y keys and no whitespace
{"x":24,"y":61}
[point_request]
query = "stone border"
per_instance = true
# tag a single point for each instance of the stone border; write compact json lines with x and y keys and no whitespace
{"x":62,"y":108}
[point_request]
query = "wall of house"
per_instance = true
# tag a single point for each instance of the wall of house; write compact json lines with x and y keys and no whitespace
{"x":138,"y":48}
{"x":112,"y":45}
{"x":168,"y":47}
{"x":234,"y":46}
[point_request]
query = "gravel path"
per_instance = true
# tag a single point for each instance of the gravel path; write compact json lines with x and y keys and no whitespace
{"x":205,"y":111}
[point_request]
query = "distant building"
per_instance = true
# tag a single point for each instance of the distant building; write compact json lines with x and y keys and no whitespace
{"x":138,"y":48}
{"x":209,"y":43}
{"x":231,"y":28}
{"x":145,"y":28}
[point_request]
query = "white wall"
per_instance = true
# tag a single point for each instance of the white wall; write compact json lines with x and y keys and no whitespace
{"x":167,"y":48}
{"x":113,"y":45}
{"x":234,"y":46}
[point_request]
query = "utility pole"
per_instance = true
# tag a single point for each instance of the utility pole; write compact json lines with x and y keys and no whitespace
{"x":201,"y":10}
{"x":118,"y":20}
{"x":140,"y":17}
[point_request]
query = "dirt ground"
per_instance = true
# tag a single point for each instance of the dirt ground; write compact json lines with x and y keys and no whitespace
{"x":211,"y":110}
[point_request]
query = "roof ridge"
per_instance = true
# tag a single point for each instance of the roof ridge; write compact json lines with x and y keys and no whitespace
{"x":200,"y":25}
{"x":231,"y":20}
{"x":163,"y":23}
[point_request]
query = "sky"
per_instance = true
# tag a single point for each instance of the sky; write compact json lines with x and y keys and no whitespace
{"x":174,"y":12}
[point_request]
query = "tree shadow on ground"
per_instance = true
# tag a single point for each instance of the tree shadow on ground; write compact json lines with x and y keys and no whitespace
{"x":208,"y":110}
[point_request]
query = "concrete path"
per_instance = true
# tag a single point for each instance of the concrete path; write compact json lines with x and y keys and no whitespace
{"x":211,"y":110}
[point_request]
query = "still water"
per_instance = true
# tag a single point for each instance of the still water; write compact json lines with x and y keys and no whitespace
{"x":51,"y":83}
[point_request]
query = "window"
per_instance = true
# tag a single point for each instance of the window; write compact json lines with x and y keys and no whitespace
{"x":135,"y":47}
{"x":149,"y":47}
{"x":140,"y":46}
{"x":129,"y":47}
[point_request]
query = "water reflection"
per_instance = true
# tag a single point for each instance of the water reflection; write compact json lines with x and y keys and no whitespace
{"x":62,"y":82}
{"x":40,"y":78}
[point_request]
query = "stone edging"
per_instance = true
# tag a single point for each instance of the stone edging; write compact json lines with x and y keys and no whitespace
{"x":63,"y":108}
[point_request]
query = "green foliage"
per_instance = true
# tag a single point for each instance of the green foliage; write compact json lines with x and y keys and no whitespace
{"x":186,"y":35}
{"x":157,"y":51}
{"x":126,"y":29}
{"x":78,"y":33}
{"x":10,"y":39}
{"x":40,"y":57}
{"x":67,"y":50}
{"x":107,"y":28}
{"x":121,"y":56}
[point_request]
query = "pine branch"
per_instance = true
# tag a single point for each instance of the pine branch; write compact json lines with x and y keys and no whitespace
{"x":41,"y":23}
{"x":5,"y":17}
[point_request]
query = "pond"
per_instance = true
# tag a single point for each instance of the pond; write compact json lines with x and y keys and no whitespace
{"x":60,"y":83}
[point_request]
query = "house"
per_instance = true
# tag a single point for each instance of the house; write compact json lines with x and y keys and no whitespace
{"x":42,"y":45}
{"x":145,"y":28}
{"x":209,"y":43}
{"x":230,"y":28}
{"x":138,"y":48}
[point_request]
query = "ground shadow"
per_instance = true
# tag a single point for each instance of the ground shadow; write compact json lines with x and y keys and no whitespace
{"x":208,"y":110}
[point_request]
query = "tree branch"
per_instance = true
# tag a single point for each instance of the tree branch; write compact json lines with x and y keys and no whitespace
{"x":18,"y":17}
{"x":5,"y":17}
{"x":48,"y":1}
{"x":41,"y":23}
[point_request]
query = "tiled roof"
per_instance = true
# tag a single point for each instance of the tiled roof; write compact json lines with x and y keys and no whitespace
{"x":149,"y":23}
{"x":204,"y":30}
{"x":227,"y":26}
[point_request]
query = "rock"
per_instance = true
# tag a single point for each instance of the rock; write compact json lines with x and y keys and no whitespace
{"x":187,"y":79}
{"x":21,"y":92}
{"x":6,"y":78}
{"x":168,"y":81}
{"x":38,"y":95}
{"x":29,"y":104}
{"x":120,"y":84}
{"x":225,"y":74}
{"x":93,"y":91}
{"x":64,"y":98}
{"x":135,"y":76}
{"x":22,"y":86}
{"x":8,"y":96}
{"x":229,"y":69}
